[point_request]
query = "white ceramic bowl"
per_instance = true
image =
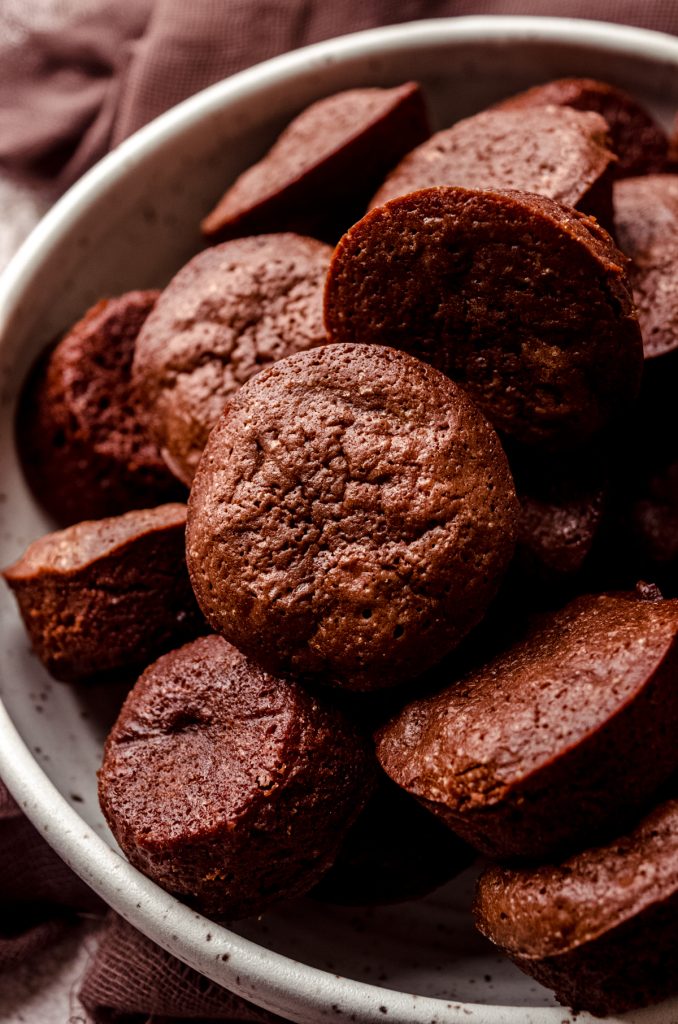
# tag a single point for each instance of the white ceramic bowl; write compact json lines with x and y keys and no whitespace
{"x":131,"y":222}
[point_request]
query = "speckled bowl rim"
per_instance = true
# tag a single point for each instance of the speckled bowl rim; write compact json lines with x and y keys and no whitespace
{"x":268,"y":979}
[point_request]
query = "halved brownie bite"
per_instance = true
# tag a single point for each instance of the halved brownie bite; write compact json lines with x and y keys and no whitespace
{"x":521,"y":300}
{"x":107,"y":595}
{"x":600,"y":928}
{"x":646,"y":218}
{"x":229,"y":787}
{"x":567,"y":732}
{"x":318,"y":176}
{"x":640,"y":143}
{"x":556,"y":152}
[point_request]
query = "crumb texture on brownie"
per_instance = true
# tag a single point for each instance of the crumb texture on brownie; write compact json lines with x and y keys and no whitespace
{"x":230,"y":787}
{"x":556,"y":152}
{"x":646,"y":218}
{"x":351,"y":517}
{"x":81,"y":430}
{"x":329,"y":159}
{"x":232,"y":310}
{"x":600,"y":928}
{"x":556,"y":738}
{"x":523,"y":301}
{"x":639,"y":142}
{"x":107,"y":595}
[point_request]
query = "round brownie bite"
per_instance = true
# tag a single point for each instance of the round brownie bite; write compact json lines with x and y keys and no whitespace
{"x":553,"y":151}
{"x":319,"y":174}
{"x":227,"y":314}
{"x":229,"y":787}
{"x":600,"y":928}
{"x":523,"y":301}
{"x":351,"y":517}
{"x":107,"y":595}
{"x":80,"y":429}
{"x":569,"y":730}
{"x":646,"y":217}
{"x":395,"y":851}
{"x":639,"y":142}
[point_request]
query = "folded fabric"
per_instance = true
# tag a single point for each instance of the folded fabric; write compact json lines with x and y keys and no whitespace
{"x":38,"y":894}
{"x":129,"y":976}
{"x":69,"y":93}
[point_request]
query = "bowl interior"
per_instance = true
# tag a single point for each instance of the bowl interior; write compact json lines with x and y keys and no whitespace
{"x":131,"y":224}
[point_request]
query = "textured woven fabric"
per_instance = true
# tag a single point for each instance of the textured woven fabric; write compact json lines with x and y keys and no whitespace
{"x":38,"y":893}
{"x":68,"y":94}
{"x":77,"y":77}
{"x":130,"y":975}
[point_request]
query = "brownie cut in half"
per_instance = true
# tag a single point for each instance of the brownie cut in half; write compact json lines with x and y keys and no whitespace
{"x":646,"y":217}
{"x":318,"y":176}
{"x":556,"y":152}
{"x":565,"y":734}
{"x":231,"y":788}
{"x":523,"y":301}
{"x":600,"y":928}
{"x":80,"y":428}
{"x":640,"y":143}
{"x":107,"y":595}
{"x":230,"y":312}
{"x":351,"y":518}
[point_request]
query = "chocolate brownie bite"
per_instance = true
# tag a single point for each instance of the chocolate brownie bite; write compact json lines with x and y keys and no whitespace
{"x":229,"y":787}
{"x":556,"y":152}
{"x":108,"y":595}
{"x":523,"y":301}
{"x":566,"y":732}
{"x":321,"y":171}
{"x":395,"y":851}
{"x":646,"y":216}
{"x":227,"y":314}
{"x":639,"y":142}
{"x":80,"y":429}
{"x":351,"y":517}
{"x":600,"y":928}
{"x":561,"y":514}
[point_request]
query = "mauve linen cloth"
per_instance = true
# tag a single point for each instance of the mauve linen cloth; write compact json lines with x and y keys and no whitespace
{"x":67,"y":95}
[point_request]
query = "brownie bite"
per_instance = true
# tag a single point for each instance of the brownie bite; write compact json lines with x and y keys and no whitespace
{"x":321,"y":171}
{"x":227,"y":314}
{"x":565,"y":733}
{"x":600,"y":928}
{"x":562,"y":506}
{"x":395,"y":851}
{"x":230,"y":788}
{"x":351,"y":517}
{"x":523,"y":301}
{"x":646,"y":217}
{"x":639,"y":142}
{"x":81,"y":431}
{"x":556,"y":152}
{"x":109,"y":595}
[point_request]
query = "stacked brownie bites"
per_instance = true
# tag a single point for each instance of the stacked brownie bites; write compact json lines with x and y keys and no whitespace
{"x":421,"y":391}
